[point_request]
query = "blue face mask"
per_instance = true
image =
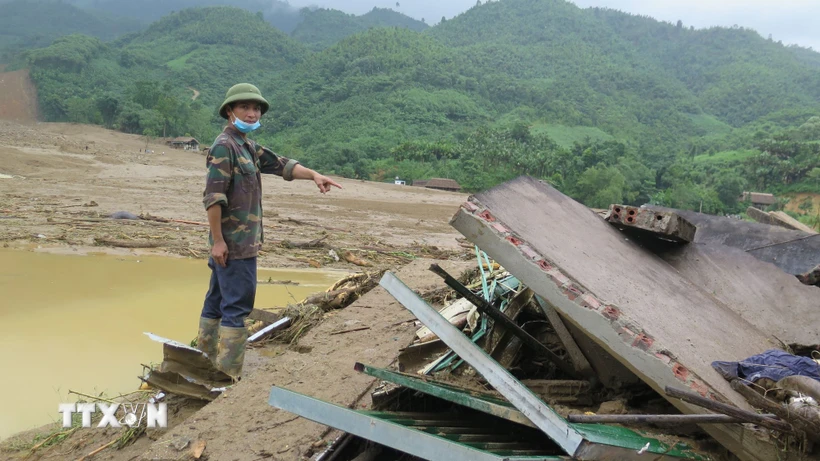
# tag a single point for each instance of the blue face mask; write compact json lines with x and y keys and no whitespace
{"x":245,"y":127}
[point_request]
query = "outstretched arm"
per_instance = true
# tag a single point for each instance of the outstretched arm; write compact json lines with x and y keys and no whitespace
{"x":271,"y":163}
{"x":323,"y":182}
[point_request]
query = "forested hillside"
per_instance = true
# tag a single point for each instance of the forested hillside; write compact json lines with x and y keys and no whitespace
{"x":28,"y":24}
{"x":144,"y":83}
{"x":279,"y":13}
{"x":323,"y":28}
{"x":607,"y":106}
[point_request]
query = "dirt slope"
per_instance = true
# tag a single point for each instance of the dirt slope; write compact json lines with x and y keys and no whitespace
{"x":18,"y":97}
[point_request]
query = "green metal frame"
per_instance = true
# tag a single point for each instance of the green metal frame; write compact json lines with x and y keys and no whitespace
{"x":593,"y":433}
{"x":431,"y":439}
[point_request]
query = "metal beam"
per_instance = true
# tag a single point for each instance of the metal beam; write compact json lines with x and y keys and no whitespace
{"x":471,"y":399}
{"x":394,"y":435}
{"x":522,"y":398}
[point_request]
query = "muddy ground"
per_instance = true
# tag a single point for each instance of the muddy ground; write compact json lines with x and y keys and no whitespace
{"x":67,"y":180}
{"x":61,"y":183}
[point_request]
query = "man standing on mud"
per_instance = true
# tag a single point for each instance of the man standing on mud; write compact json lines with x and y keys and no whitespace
{"x":233,"y":200}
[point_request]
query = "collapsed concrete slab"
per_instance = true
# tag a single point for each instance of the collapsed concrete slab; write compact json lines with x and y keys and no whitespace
{"x":792,"y":251}
{"x":666,"y":225}
{"x":760,"y":216}
{"x":661,"y":326}
{"x":777,"y":303}
{"x":788,"y":222}
{"x":778,"y":218}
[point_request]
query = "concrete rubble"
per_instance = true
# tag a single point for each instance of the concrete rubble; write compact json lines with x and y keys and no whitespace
{"x":778,"y":218}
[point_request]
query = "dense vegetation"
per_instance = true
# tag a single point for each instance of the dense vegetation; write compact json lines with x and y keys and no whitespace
{"x":28,"y":24}
{"x":21,"y":22}
{"x":608,"y":107}
{"x":144,"y":83}
{"x":323,"y":28}
{"x":279,"y":13}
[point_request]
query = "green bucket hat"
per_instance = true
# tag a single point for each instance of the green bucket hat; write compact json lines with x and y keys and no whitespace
{"x":242,"y":92}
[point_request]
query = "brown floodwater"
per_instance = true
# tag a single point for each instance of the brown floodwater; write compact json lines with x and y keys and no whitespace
{"x":77,"y":323}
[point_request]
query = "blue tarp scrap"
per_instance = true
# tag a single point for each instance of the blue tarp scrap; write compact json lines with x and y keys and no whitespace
{"x":773,"y":364}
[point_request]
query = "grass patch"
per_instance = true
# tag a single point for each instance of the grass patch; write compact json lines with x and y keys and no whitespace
{"x":709,"y":125}
{"x":566,"y":136}
{"x":179,"y":63}
{"x":728,"y":156}
{"x":806,"y":186}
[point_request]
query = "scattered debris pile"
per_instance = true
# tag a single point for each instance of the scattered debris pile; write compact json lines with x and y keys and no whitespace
{"x":594,"y":339}
{"x":189,"y":372}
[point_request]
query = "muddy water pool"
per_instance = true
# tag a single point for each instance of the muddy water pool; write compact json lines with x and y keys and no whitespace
{"x":76,"y":322}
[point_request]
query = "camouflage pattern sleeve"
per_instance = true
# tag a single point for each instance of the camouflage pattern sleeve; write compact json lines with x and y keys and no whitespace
{"x":271,"y":163}
{"x":218,"y":177}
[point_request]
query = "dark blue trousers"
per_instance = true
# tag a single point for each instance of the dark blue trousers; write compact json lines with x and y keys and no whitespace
{"x":232,"y":292}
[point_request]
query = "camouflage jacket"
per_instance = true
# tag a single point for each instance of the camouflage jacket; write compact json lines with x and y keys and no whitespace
{"x":234,"y":181}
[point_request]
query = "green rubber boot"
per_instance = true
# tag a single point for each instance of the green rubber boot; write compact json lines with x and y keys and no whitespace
{"x":230,"y":354}
{"x":208,"y":337}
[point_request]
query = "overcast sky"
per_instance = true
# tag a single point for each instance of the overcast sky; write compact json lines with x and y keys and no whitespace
{"x":792,"y":21}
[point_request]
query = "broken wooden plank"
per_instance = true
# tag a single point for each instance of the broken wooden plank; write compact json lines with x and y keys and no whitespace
{"x":514,"y":308}
{"x":561,"y":391}
{"x":579,"y":361}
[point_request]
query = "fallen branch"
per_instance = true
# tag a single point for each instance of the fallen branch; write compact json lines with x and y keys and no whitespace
{"x":109,"y":444}
{"x":801,"y":423}
{"x":351,"y":258}
{"x":349,"y":331}
{"x":327,"y":298}
{"x":101,"y":399}
{"x":53,"y":436}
